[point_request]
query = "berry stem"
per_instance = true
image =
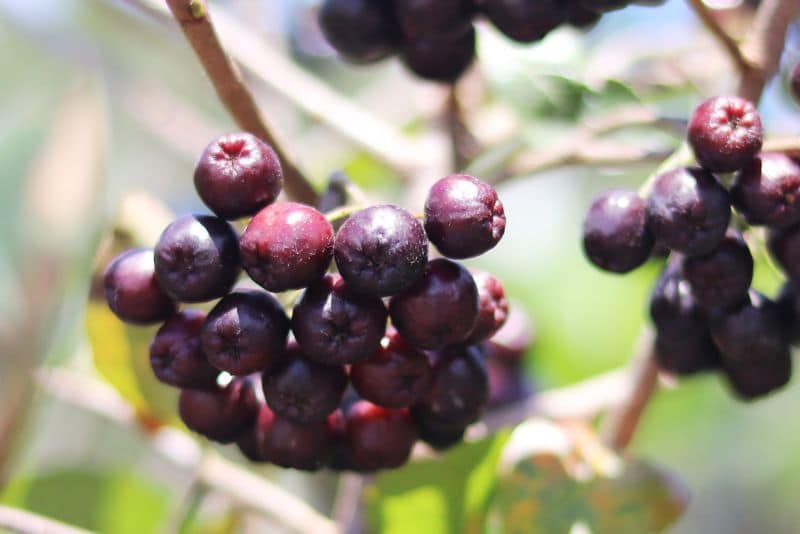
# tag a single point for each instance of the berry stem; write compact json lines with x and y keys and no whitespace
{"x":18,"y":520}
{"x":463,"y":144}
{"x":724,"y":38}
{"x":342,"y":213}
{"x":232,"y":91}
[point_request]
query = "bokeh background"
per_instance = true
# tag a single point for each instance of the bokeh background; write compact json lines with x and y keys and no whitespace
{"x":100,"y":101}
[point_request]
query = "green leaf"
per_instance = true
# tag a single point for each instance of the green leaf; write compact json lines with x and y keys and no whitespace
{"x":445,"y":495}
{"x":538,"y":495}
{"x":112,"y":503}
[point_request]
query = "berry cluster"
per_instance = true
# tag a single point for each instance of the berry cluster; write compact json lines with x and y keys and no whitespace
{"x":277,"y":384}
{"x":705,"y":312}
{"x":435,"y":39}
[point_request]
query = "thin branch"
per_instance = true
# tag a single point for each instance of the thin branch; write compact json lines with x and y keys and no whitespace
{"x":763,"y":46}
{"x":348,"y":504}
{"x":722,"y":36}
{"x":29,"y":523}
{"x":463,"y":144}
{"x":312,"y":95}
{"x":195,"y":21}
{"x":213,"y":471}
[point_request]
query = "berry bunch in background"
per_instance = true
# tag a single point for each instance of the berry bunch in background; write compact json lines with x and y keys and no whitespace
{"x":706,"y":315}
{"x":388,"y":348}
{"x":435,"y":39}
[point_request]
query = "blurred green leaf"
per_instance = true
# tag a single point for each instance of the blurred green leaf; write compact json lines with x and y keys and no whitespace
{"x":540,"y":496}
{"x":112,"y":503}
{"x":120,"y":354}
{"x":446,"y":495}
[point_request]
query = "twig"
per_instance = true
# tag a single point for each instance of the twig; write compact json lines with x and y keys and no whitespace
{"x":213,"y":470}
{"x":764,"y":44}
{"x":463,"y":144}
{"x":29,"y":523}
{"x":312,"y":95}
{"x":347,"y":507}
{"x":722,"y":36}
{"x":195,"y":22}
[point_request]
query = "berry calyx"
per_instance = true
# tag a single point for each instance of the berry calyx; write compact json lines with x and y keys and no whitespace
{"x":132,"y":290}
{"x":615,"y":233}
{"x":725,"y":133}
{"x":245,"y":333}
{"x":197,"y":258}
{"x":287,"y":246}
{"x":463,"y":216}
{"x":176,"y":356}
{"x":440,"y":309}
{"x":237,"y":175}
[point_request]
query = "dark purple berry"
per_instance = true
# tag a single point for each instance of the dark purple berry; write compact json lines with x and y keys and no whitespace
{"x":379,"y":438}
{"x":381,"y":250}
{"x":794,"y":82}
{"x":197,"y":258}
{"x":287,"y":246}
{"x":516,"y":336}
{"x":615,"y":233}
{"x":237,"y":175}
{"x":395,"y":376}
{"x":363,"y":31}
{"x":788,"y":303}
{"x":437,"y":433}
{"x":507,"y":382}
{"x":580,"y":17}
{"x":335,"y":326}
{"x":492,"y":307}
{"x":463,"y":216}
{"x":524,"y":20}
{"x":442,"y":58}
{"x":222,"y":414}
{"x":688,"y":210}
{"x":784,"y":245}
{"x":245,"y":333}
{"x":721,"y":278}
{"x":440,"y":309}
{"x":683,"y":338}
{"x":725,"y":133}
{"x":176,"y":356}
{"x":602,"y":6}
{"x":460,"y":387}
{"x":754,"y":347}
{"x":433,"y":18}
{"x":132,"y":289}
{"x":304,"y":391}
{"x":767,"y":190}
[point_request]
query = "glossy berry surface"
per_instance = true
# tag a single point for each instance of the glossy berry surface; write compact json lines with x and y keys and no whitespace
{"x":304,"y":391}
{"x":223,"y":414}
{"x":460,"y":387}
{"x":176,"y":356}
{"x":395,"y":376}
{"x":287,"y":246}
{"x":683,"y":338}
{"x":440,"y":59}
{"x":379,"y":438}
{"x":197,"y":258}
{"x":523,"y":20}
{"x":237,"y":175}
{"x":688,"y":210}
{"x":725,"y":133}
{"x":363,"y":31}
{"x":245,"y":333}
{"x":784,"y":245}
{"x":767,"y":190}
{"x":492,"y":307}
{"x":132,"y":290}
{"x":334,"y":325}
{"x":436,"y":18}
{"x":437,"y":433}
{"x":463,"y":216}
{"x":440,"y":309}
{"x":381,"y":250}
{"x":754,"y":347}
{"x":615,"y":233}
{"x":721,"y":278}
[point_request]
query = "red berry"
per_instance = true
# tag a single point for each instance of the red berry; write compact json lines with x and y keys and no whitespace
{"x":767,"y":190}
{"x":492,"y":307}
{"x":132,"y":289}
{"x":725,"y":133}
{"x":237,"y":175}
{"x":176,"y":356}
{"x":287,"y":246}
{"x":379,"y":438}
